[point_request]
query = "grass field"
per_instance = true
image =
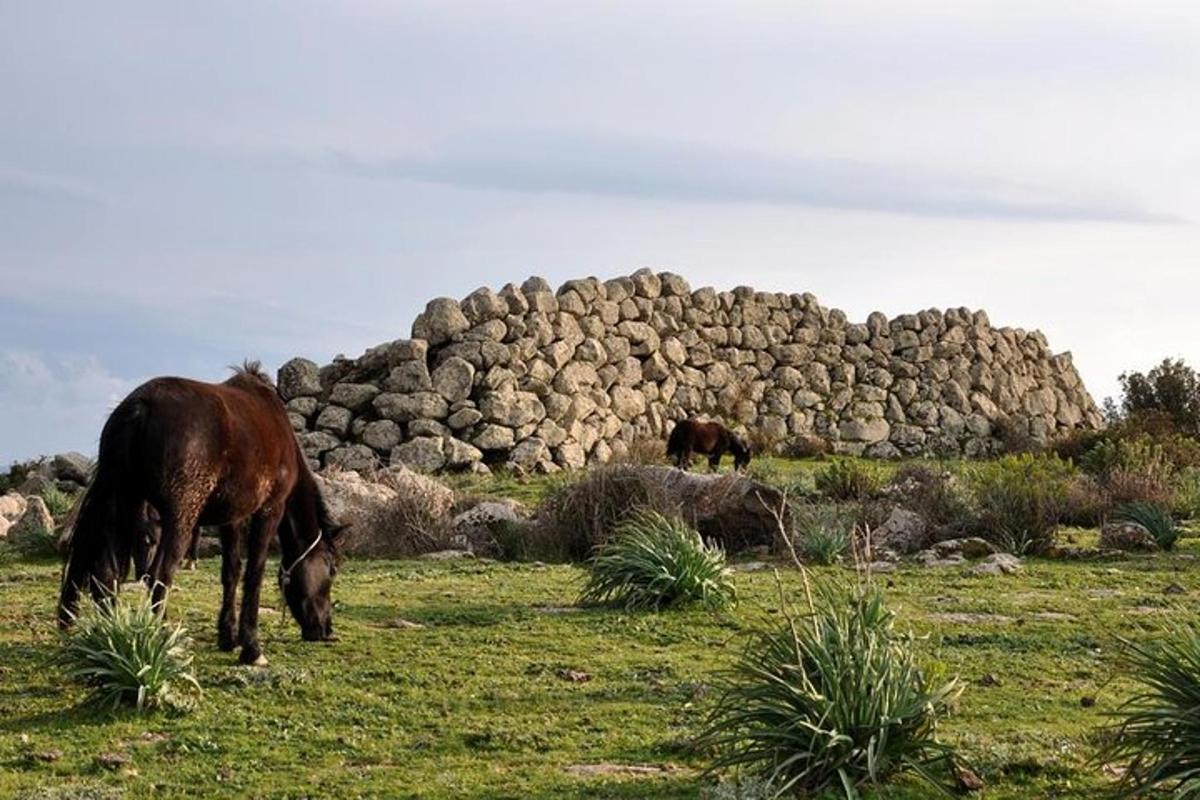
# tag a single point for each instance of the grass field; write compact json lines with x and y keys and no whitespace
{"x":482,"y":699}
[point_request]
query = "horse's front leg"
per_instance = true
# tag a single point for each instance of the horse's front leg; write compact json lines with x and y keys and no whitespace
{"x":714,"y":460}
{"x":263,"y":526}
{"x":231,"y":573}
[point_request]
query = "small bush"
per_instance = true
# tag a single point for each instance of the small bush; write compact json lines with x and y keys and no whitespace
{"x":1157,"y":735}
{"x":528,"y":541}
{"x":654,"y":562}
{"x":805,"y":447}
{"x":417,"y":520}
{"x":58,"y":502}
{"x":643,"y":450}
{"x":937,"y":496}
{"x":584,"y":514}
{"x":831,"y":701}
{"x":849,"y":479}
{"x":1129,"y":486}
{"x":1153,"y":518}
{"x":1020,"y":500}
{"x":1086,"y":502}
{"x":1185,"y":494}
{"x":823,"y":534}
{"x":128,"y":654}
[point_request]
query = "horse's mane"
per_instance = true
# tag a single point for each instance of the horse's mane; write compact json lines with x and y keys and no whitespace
{"x":251,"y":369}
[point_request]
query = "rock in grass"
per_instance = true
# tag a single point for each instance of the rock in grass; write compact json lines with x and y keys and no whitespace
{"x":997,"y":564}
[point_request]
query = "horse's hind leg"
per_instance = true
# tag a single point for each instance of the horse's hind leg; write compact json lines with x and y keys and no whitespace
{"x":231,"y":573}
{"x":193,"y":553}
{"x":714,"y":460}
{"x":263,"y":526}
{"x":178,"y":523}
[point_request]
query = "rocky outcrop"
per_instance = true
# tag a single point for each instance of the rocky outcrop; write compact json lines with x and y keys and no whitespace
{"x":540,"y":379}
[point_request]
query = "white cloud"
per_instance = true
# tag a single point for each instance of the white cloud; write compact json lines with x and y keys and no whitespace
{"x":53,"y":404}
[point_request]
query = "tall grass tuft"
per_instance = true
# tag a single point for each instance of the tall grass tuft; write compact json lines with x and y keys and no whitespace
{"x":832,"y":700}
{"x":655,"y":561}
{"x":849,"y":480}
{"x":1153,"y":518}
{"x":823,"y":533}
{"x":128,"y":654}
{"x":1157,"y":732}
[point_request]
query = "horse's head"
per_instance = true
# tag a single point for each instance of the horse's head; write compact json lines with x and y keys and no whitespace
{"x":306,"y":582}
{"x":741,"y":452}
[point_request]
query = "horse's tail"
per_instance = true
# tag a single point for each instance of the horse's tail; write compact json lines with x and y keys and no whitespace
{"x":94,"y":558}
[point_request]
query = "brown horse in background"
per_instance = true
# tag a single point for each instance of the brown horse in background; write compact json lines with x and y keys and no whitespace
{"x":206,"y":454}
{"x":706,"y":438}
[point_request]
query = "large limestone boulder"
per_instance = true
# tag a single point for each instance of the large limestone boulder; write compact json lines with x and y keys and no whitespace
{"x":453,"y":379}
{"x":298,"y":378}
{"x":74,"y":467}
{"x":34,"y":523}
{"x":422,"y":454}
{"x":1126,"y":536}
{"x":12,"y":506}
{"x":440,"y":322}
{"x":903,"y":532}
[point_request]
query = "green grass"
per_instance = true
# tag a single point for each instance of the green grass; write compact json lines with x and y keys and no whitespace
{"x":481,"y":701}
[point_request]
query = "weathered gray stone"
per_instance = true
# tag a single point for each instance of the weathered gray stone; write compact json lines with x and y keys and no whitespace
{"x":354,"y":396}
{"x":422,"y":454}
{"x":298,"y":378}
{"x":440,"y":322}
{"x":382,"y":435}
{"x":354,"y":456}
{"x":494,"y":437}
{"x":407,"y":407}
{"x":335,"y":420}
{"x":314,"y":443}
{"x":453,"y":379}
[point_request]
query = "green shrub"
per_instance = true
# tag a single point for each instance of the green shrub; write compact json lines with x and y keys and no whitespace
{"x":128,"y":655}
{"x":1020,"y":500}
{"x":654,"y":562}
{"x":528,"y":541}
{"x":1157,"y":732}
{"x":1185,"y":494}
{"x":1153,"y":518}
{"x":823,"y":534}
{"x":849,"y":479}
{"x":830,"y":701}
{"x":937,"y":496}
{"x":58,"y":502}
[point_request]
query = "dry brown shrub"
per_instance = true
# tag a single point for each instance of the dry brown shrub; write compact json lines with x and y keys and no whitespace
{"x":393,"y":512}
{"x":1137,"y":486}
{"x":643,"y":450}
{"x":583,"y":514}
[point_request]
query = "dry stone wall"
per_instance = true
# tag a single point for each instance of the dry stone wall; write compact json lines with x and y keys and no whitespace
{"x":540,"y":379}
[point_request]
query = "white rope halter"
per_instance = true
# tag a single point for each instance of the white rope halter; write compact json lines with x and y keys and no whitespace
{"x":285,"y":575}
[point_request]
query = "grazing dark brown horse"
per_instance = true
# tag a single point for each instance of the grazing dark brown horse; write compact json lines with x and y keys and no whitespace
{"x":705,"y":438}
{"x":206,"y":454}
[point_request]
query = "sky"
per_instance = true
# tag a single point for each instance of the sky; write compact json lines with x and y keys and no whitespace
{"x":186,"y":185}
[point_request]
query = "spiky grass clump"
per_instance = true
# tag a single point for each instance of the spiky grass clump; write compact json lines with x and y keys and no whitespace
{"x":129,"y":655}
{"x":823,"y":533}
{"x":655,"y":561}
{"x":1157,"y":733}
{"x":849,"y":480}
{"x":1153,"y":518}
{"x":830,"y":701}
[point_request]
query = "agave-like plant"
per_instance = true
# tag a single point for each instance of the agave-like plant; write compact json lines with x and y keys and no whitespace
{"x":831,"y":700}
{"x":1156,"y":733}
{"x":655,"y":561}
{"x":129,"y":655}
{"x":823,"y":533}
{"x":1153,"y":518}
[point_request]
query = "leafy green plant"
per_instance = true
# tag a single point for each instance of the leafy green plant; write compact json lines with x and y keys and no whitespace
{"x":58,"y":502}
{"x":1153,"y":518}
{"x":655,"y":561}
{"x":1157,"y":732}
{"x":823,"y":534}
{"x":1185,"y":494}
{"x":849,"y":479}
{"x":831,"y":700}
{"x":1020,"y":500}
{"x":129,"y":655}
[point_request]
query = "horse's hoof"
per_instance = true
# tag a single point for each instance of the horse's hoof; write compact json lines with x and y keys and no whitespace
{"x":261,"y":661}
